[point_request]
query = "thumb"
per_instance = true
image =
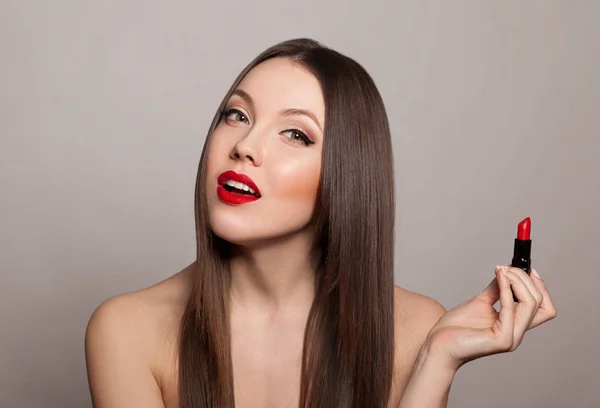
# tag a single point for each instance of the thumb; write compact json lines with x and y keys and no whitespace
{"x":491,"y":294}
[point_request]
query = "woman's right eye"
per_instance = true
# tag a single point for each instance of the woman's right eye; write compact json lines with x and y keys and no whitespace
{"x":236,"y":116}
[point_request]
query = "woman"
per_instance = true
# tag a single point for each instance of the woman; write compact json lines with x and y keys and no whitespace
{"x":291,"y":300}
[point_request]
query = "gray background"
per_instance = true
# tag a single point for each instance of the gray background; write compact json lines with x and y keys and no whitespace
{"x":104,"y":107}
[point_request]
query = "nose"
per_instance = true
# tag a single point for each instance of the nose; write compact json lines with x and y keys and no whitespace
{"x":249,"y":148}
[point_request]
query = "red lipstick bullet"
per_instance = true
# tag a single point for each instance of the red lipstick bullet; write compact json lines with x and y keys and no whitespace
{"x":524,"y":229}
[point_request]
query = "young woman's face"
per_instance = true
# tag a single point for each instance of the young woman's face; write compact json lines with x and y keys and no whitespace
{"x":272,"y":133}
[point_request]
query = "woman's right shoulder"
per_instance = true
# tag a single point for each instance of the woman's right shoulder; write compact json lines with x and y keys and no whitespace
{"x":131,"y":339}
{"x":137,"y":314}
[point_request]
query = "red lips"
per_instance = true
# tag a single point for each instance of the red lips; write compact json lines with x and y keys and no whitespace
{"x":233,"y":196}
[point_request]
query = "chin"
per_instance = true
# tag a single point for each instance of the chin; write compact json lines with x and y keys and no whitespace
{"x":250,"y":230}
{"x":228,"y":225}
{"x":240,"y":227}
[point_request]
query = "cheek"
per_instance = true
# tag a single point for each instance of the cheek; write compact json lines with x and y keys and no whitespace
{"x":217,"y":153}
{"x":299,"y":182}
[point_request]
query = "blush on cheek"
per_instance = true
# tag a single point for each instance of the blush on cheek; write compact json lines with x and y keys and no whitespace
{"x":301,"y":186}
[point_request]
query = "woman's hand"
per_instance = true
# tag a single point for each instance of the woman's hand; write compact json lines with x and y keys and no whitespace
{"x":474,"y":329}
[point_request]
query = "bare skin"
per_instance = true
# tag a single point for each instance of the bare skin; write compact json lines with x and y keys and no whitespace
{"x":131,"y":344}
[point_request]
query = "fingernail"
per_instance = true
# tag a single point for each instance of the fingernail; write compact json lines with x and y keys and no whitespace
{"x":537,"y":275}
{"x":502,"y":269}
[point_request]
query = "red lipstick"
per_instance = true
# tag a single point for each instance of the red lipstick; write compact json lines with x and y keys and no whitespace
{"x":522,"y":250}
{"x":236,"y":194}
{"x":524,"y":229}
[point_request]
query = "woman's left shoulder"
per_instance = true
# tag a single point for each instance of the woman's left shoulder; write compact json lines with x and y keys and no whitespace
{"x":416,"y":312}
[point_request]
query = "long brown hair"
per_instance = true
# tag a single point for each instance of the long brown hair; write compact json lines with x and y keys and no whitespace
{"x":349,"y":337}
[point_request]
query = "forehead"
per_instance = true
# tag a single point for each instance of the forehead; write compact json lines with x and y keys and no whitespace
{"x":279,"y":83}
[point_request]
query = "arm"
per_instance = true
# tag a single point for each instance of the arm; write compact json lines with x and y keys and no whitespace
{"x":118,"y":347}
{"x":429,"y":383}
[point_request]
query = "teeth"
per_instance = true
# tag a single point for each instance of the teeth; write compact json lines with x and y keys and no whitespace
{"x":240,"y":186}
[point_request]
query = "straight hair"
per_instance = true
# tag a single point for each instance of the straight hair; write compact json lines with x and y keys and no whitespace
{"x":348,"y":353}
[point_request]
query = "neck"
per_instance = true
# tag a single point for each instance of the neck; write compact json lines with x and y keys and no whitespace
{"x":275,"y":274}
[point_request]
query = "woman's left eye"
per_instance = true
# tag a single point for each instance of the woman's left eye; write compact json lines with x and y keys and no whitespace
{"x":296,"y":135}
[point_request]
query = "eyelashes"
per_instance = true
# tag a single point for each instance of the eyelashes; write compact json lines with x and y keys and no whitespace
{"x":298,"y":136}
{"x":293,"y":134}
{"x":228,"y":113}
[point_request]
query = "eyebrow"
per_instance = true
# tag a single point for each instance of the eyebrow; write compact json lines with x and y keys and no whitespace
{"x":302,"y":112}
{"x":285,"y":112}
{"x":244,"y":95}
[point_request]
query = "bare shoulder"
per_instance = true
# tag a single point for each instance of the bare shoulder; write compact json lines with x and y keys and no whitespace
{"x":138,"y":315}
{"x":415,"y":313}
{"x":129,"y":339}
{"x":414,"y":316}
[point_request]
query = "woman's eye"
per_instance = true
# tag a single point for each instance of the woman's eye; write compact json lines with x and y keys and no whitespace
{"x":296,"y":135}
{"x":236,"y":116}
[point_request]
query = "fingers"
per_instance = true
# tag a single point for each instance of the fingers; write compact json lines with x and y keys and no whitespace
{"x":527,"y":306}
{"x":491,"y":293}
{"x":547,"y":310}
{"x":537,"y":294}
{"x":505,"y":323}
